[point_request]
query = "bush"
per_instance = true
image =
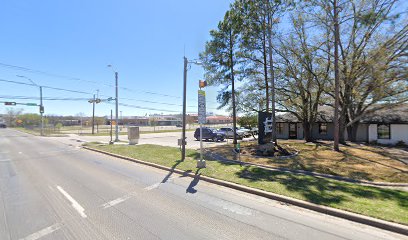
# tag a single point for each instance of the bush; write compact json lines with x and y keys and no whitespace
{"x":401,"y":144}
{"x":374,"y":142}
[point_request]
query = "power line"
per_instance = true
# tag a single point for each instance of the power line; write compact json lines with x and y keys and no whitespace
{"x":49,"y":87}
{"x":145,"y":108}
{"x":44,"y":98}
{"x":168,"y":104}
{"x":25,"y":69}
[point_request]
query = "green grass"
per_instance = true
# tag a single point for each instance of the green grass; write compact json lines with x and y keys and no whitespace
{"x":387,"y":204}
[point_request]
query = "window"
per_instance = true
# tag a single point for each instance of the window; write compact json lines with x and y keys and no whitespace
{"x":323,"y":128}
{"x":279,"y":128}
{"x":383,"y":131}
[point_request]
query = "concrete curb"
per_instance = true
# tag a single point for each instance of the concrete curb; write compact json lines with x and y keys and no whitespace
{"x":389,"y":226}
{"x":309,"y":173}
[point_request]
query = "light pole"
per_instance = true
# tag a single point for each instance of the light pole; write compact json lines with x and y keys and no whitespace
{"x":41,"y":103}
{"x":183,"y":135}
{"x":94,"y":101}
{"x":117,"y":105}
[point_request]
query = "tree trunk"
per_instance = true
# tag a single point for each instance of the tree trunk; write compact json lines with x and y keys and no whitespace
{"x":337,"y":129}
{"x":307,"y":128}
{"x":342,"y":128}
{"x":352,"y":131}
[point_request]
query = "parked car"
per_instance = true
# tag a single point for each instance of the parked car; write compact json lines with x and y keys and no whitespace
{"x":255,"y":130}
{"x":246,"y":132}
{"x":209,"y":133}
{"x":179,"y":125}
{"x":3,"y":125}
{"x":229,"y":133}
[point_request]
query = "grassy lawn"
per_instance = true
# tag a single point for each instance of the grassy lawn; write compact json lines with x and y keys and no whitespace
{"x":355,"y":161}
{"x":387,"y":204}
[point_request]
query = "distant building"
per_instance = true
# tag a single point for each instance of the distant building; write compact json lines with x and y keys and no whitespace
{"x":165,"y":120}
{"x":219,"y":120}
{"x":134,"y":120}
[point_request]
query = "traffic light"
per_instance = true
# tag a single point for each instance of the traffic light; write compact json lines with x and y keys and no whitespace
{"x":10,"y":103}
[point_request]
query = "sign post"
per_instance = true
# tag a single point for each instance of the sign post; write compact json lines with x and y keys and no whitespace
{"x":201,"y":121}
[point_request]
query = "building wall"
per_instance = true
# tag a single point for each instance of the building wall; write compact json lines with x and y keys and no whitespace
{"x":399,"y":132}
{"x":330,"y":131}
{"x":300,"y":131}
{"x":362,"y":133}
{"x":285,"y":132}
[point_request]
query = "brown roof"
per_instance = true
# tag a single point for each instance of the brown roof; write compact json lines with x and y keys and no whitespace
{"x":386,"y":115}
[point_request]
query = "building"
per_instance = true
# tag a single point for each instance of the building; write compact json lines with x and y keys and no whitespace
{"x":387,"y":126}
{"x":165,"y":120}
{"x":134,"y":121}
{"x":219,"y":120}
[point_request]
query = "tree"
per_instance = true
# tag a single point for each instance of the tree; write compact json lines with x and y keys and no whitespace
{"x":373,"y":45}
{"x":303,"y":73}
{"x":30,"y":119}
{"x":221,"y":58}
{"x":249,"y":121}
{"x":11,"y":116}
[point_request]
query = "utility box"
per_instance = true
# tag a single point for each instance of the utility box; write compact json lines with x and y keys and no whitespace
{"x":133,"y":135}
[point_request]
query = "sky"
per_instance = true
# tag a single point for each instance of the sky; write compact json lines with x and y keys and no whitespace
{"x":68,"y":45}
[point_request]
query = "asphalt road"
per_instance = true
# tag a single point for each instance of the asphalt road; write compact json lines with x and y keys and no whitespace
{"x":52,"y":190}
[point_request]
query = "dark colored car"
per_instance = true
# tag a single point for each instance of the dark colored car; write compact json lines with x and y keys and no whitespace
{"x":229,"y":132}
{"x":2,"y":125}
{"x":209,"y":133}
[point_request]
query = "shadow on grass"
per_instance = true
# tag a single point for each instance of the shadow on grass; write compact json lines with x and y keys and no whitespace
{"x":320,"y":190}
{"x":193,"y":155}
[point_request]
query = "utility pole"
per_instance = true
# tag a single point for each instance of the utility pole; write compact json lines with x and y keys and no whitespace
{"x":93,"y":114}
{"x":41,"y":103}
{"x":272,"y":73}
{"x":111,"y":142}
{"x":336,"y":78}
{"x":117,"y":109}
{"x":183,"y":137}
{"x":41,"y":112}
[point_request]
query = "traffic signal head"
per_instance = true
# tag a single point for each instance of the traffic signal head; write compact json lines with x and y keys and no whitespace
{"x":10,"y":103}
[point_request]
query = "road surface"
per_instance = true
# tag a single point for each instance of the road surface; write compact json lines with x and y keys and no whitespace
{"x":52,"y":190}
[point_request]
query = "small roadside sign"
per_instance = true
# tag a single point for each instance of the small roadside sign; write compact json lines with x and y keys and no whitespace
{"x":201,"y":107}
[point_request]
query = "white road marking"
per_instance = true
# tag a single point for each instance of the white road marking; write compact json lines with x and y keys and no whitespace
{"x":115,"y":202}
{"x":43,"y":232}
{"x":20,"y":153}
{"x":156,"y":185}
{"x":74,"y":203}
{"x":5,"y":160}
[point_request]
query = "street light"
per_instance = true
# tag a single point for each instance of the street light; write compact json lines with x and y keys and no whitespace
{"x":41,"y":102}
{"x":117,"y":104}
{"x":183,"y":137}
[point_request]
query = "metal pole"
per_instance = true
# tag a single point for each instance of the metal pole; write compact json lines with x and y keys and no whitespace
{"x":41,"y":112}
{"x":201,"y":142}
{"x":183,"y":137}
{"x":111,"y":127}
{"x":117,"y":109}
{"x":93,"y":114}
